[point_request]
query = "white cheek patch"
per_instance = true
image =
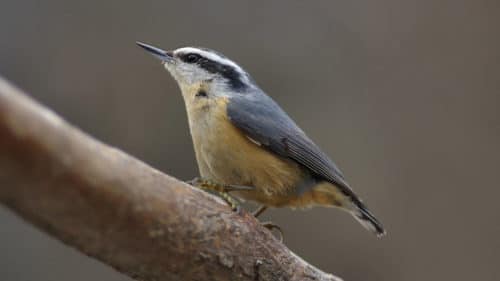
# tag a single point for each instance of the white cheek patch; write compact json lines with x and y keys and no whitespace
{"x":189,"y":73}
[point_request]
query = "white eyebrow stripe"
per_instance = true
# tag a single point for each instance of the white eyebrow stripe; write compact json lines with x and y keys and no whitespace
{"x":210,"y":56}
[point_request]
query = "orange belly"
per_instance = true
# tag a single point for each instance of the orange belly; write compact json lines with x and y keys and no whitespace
{"x":226,"y":155}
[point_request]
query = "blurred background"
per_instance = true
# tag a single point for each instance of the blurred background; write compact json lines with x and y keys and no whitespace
{"x":404,"y":95}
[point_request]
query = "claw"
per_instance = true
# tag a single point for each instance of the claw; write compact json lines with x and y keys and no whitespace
{"x":270,"y":225}
{"x":193,"y":182}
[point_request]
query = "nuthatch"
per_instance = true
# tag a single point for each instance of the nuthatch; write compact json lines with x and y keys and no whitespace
{"x":243,"y":138}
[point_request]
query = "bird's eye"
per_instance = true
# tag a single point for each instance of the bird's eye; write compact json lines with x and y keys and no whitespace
{"x":192,"y":58}
{"x":201,"y":93}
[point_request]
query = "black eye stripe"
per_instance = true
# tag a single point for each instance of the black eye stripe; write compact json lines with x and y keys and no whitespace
{"x":226,"y":71}
{"x":190,"y":57}
{"x":201,"y":93}
{"x":229,"y":72}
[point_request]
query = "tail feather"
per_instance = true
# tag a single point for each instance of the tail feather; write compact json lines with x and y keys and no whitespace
{"x":367,"y":219}
{"x":329,"y":195}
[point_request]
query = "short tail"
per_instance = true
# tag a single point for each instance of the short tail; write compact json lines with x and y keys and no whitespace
{"x":330,"y":195}
{"x":366,"y":218}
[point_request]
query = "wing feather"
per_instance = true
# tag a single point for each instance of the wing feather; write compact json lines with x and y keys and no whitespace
{"x":263,"y":121}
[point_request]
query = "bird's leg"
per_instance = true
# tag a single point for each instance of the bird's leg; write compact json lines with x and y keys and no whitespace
{"x":221,"y":190}
{"x":269,"y":225}
{"x":235,"y":187}
{"x":200,"y":182}
{"x":259,"y":211}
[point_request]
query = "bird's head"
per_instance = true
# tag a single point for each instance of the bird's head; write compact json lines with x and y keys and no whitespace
{"x":194,"y":65}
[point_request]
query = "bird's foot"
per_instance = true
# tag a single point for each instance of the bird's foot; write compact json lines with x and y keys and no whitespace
{"x":269,"y":225}
{"x":272,"y":226}
{"x":221,"y":190}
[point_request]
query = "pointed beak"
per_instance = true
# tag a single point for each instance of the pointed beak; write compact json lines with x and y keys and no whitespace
{"x":164,"y":56}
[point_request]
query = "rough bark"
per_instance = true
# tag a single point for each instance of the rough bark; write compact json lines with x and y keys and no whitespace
{"x":126,"y":214}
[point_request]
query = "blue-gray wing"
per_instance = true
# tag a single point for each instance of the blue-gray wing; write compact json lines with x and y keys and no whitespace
{"x":262,"y":120}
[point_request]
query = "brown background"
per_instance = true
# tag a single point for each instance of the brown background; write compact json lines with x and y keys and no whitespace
{"x":404,"y":95}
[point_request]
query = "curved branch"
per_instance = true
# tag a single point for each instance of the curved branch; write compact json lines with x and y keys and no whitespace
{"x":117,"y":209}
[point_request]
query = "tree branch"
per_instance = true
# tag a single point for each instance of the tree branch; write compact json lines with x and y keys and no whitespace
{"x":117,"y":209}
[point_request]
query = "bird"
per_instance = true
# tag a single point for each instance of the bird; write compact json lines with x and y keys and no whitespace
{"x":243,"y":138}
